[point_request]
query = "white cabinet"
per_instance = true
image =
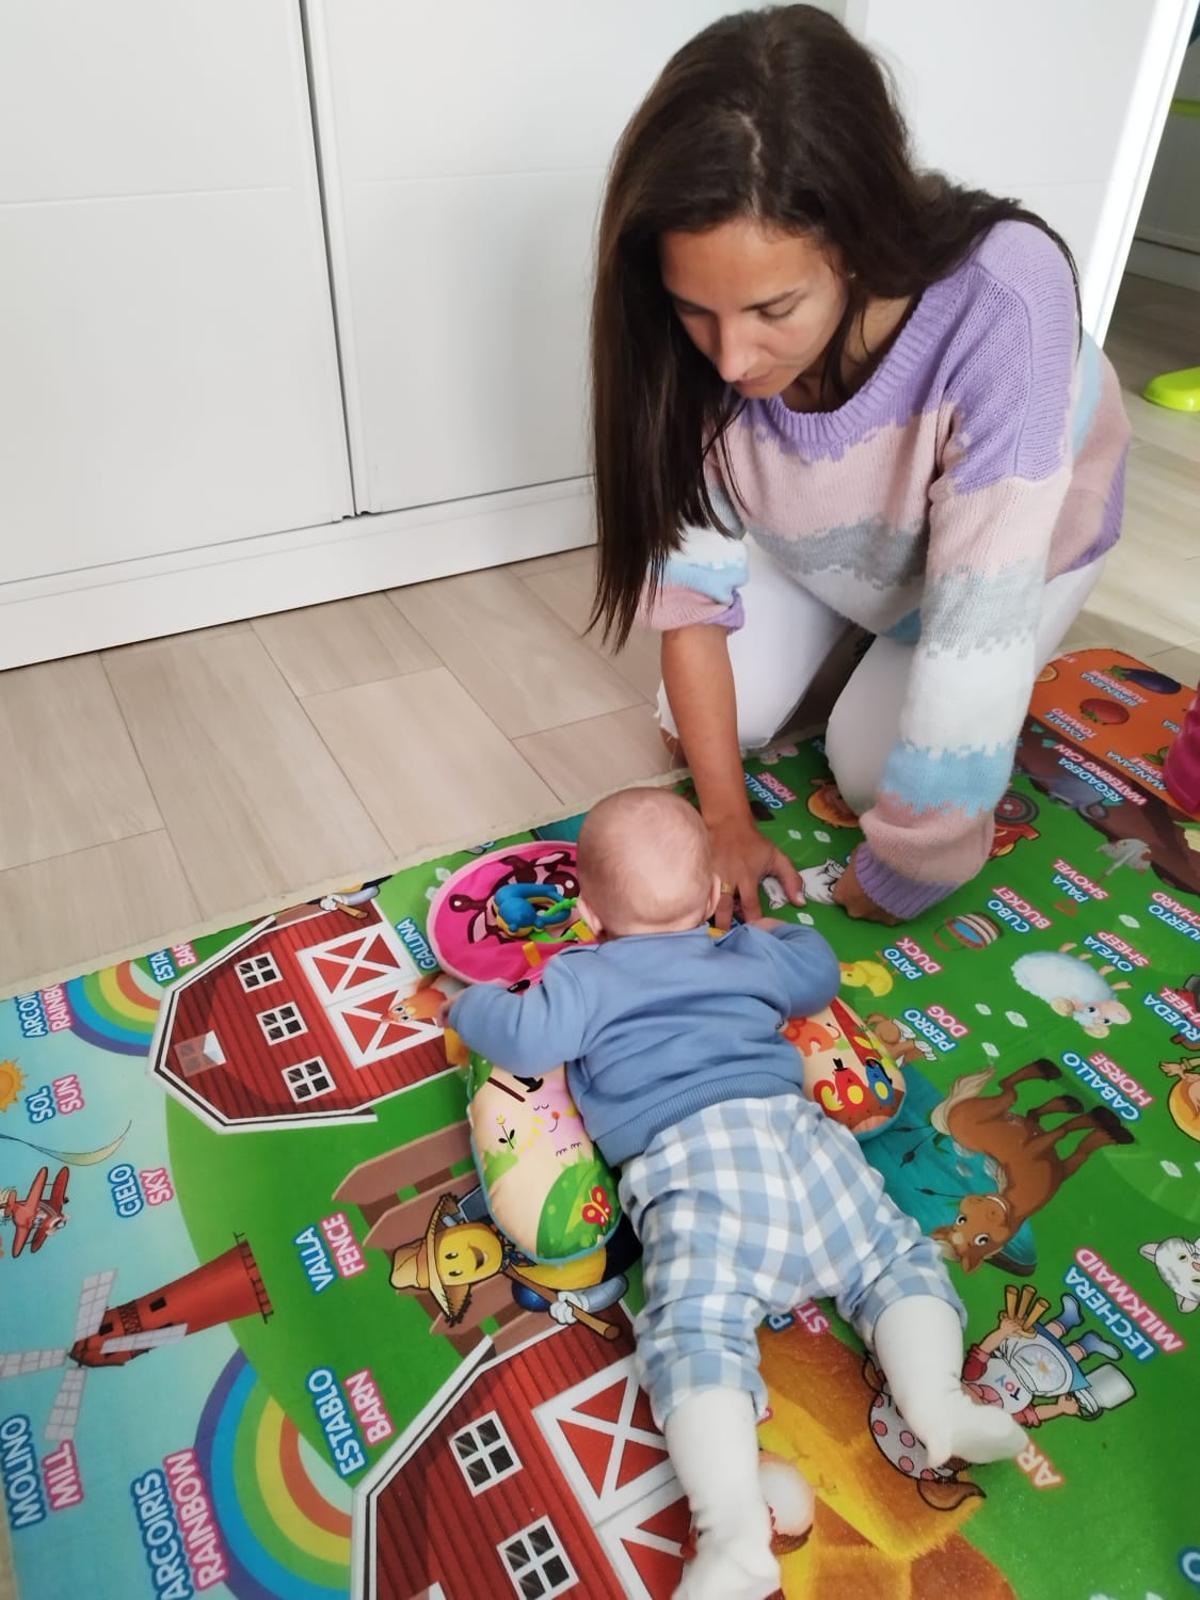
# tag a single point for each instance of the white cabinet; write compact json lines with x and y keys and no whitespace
{"x":465,"y":148}
{"x":168,"y":366}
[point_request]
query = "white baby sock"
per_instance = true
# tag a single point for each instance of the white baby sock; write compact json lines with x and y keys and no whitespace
{"x":918,"y":1343}
{"x":713,"y":1446}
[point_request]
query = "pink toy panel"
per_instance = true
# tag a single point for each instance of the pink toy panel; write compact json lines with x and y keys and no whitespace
{"x":465,"y":928}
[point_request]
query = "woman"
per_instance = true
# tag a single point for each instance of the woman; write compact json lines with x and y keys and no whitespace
{"x":833,"y":392}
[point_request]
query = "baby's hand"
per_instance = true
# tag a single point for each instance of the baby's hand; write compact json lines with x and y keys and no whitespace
{"x":772,"y":922}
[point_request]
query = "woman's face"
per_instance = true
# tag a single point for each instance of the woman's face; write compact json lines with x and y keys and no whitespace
{"x":761,"y":305}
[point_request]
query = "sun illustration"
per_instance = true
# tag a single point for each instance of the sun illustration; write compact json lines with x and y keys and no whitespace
{"x":12,"y":1081}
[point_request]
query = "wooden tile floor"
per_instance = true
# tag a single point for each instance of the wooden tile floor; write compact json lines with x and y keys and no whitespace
{"x":188,"y":779}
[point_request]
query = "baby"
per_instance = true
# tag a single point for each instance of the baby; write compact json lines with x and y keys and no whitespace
{"x":746,"y":1198}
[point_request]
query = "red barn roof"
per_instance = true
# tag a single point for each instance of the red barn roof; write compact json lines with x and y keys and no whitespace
{"x":300,"y":1020}
{"x":534,"y":1473}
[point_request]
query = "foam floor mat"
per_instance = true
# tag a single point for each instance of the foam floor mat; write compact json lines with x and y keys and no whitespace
{"x":215,"y":1157}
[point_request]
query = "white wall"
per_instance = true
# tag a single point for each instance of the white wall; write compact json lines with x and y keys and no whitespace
{"x":1058,"y":103}
{"x":1168,"y":231}
{"x":168,"y":372}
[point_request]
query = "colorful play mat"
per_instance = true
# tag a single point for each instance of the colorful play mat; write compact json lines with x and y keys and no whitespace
{"x":260,"y":1337}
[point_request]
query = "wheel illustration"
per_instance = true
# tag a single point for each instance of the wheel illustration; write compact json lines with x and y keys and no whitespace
{"x":1016,"y":807}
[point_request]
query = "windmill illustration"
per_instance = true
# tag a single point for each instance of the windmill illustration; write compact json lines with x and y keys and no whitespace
{"x":221,"y":1290}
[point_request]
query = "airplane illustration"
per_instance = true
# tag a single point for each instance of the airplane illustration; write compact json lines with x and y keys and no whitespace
{"x":38,"y":1215}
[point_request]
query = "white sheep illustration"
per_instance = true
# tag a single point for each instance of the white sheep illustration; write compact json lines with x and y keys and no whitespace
{"x":1069,"y":986}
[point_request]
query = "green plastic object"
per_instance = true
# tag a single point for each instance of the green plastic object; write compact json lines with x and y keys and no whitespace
{"x":1179,"y":391}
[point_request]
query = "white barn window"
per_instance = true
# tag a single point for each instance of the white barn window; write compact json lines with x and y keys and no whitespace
{"x":536,"y":1562}
{"x":256,"y":972}
{"x":484,"y":1453}
{"x":308,"y":1080}
{"x":284,"y":1022}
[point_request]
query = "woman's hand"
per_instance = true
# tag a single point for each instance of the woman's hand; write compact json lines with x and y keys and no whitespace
{"x":699,"y":683}
{"x":856,"y":902}
{"x":742,"y":858}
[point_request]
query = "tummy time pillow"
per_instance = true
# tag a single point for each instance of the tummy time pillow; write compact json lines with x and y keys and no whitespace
{"x":553,"y":1194}
{"x":846,"y":1070}
{"x":548,"y":1188}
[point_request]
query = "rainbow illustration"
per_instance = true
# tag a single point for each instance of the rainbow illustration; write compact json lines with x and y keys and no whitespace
{"x":284,"y":1514}
{"x":115,"y":1009}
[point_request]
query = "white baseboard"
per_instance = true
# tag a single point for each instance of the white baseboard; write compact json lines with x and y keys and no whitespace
{"x":1166,"y":264}
{"x":98,"y":607}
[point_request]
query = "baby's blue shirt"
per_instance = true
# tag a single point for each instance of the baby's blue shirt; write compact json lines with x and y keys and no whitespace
{"x":654,"y":1027}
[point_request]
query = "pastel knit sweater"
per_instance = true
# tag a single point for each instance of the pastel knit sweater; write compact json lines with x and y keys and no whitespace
{"x":984,"y":456}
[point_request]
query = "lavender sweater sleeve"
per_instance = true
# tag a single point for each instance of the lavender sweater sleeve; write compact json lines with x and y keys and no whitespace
{"x":1005,"y":473}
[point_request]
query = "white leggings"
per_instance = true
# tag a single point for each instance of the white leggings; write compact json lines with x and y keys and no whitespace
{"x":785,"y":639}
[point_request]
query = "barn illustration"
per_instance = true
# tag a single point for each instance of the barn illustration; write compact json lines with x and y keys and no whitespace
{"x":310,"y":1017}
{"x":532,"y":1473}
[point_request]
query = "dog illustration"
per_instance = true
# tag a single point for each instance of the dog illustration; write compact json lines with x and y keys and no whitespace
{"x":903,"y":1045}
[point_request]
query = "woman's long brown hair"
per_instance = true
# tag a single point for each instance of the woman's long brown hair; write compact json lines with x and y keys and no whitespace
{"x":782,"y":116}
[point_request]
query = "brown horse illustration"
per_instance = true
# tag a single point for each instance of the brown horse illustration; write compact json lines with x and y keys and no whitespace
{"x":1029,"y":1168}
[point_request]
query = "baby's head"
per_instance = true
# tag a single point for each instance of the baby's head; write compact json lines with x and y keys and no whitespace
{"x":645,"y":865}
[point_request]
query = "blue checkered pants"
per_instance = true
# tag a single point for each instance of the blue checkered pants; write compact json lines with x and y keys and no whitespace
{"x":751,"y":1207}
